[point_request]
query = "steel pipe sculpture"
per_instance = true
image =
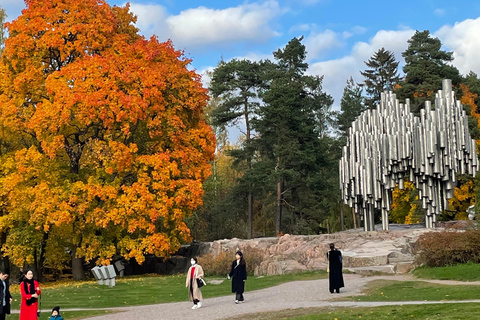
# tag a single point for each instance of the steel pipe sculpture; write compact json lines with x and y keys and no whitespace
{"x":390,"y":143}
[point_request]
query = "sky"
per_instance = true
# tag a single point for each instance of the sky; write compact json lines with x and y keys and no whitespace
{"x":339,"y":35}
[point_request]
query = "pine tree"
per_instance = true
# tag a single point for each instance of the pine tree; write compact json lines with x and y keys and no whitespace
{"x":351,"y":106}
{"x":290,"y":128}
{"x":382,"y":75}
{"x":426,"y":65}
{"x":237,"y":83}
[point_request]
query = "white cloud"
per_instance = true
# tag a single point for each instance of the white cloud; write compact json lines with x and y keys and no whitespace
{"x":300,"y":27}
{"x":336,"y":72}
{"x":359,"y":30}
{"x":204,"y":26}
{"x":462,"y":39}
{"x":439,"y":12}
{"x":151,"y":20}
{"x":317,"y":44}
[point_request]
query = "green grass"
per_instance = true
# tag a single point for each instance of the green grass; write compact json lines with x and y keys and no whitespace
{"x":388,"y":290}
{"x":455,"y":311}
{"x":150,"y":289}
{"x":70,"y":315}
{"x":460,"y":272}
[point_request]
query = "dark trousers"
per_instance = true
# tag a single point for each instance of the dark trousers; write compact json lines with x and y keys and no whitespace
{"x":195,"y":301}
{"x":2,"y":316}
{"x":239,"y":296}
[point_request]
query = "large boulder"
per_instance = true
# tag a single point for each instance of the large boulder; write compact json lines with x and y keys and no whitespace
{"x":363,"y":252}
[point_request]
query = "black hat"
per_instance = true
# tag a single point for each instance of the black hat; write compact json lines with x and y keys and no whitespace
{"x":56,"y":308}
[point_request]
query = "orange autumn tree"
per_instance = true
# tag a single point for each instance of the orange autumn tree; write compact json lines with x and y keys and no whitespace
{"x":464,"y":192}
{"x":114,"y":148}
{"x":405,"y":208}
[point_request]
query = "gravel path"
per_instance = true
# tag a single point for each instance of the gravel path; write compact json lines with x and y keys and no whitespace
{"x":297,"y":294}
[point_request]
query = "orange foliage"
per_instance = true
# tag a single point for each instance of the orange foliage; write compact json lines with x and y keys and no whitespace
{"x":404,"y":206}
{"x":425,"y":94}
{"x":468,"y":98}
{"x":464,"y":196}
{"x":117,"y":145}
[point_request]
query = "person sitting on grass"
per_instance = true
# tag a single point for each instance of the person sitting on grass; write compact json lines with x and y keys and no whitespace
{"x":56,"y":314}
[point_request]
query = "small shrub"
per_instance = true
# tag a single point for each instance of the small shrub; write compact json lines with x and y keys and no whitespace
{"x":439,"y":249}
{"x":220,"y":265}
{"x":216,"y":266}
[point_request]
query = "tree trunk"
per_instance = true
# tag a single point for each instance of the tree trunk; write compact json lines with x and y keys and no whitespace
{"x":354,"y":219}
{"x":278,"y":227}
{"x":249,"y":162}
{"x":341,"y":216}
{"x":77,"y":267}
{"x":36,"y":268}
{"x":6,"y":260}
{"x":40,"y":260}
{"x":250,"y":209}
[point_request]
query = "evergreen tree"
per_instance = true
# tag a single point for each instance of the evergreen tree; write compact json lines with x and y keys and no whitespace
{"x":237,"y":82}
{"x":473,"y":83}
{"x":3,"y":15}
{"x":290,"y":126}
{"x":351,"y":106}
{"x":426,"y":65}
{"x":382,"y":75}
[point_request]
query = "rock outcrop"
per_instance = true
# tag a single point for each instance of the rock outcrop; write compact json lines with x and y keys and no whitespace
{"x":363,"y":252}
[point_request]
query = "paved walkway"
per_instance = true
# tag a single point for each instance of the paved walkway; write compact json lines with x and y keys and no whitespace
{"x":292,"y":295}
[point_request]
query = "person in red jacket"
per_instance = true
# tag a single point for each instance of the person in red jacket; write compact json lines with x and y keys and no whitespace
{"x":30,"y":292}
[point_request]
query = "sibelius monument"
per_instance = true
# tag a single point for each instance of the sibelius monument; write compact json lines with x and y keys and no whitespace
{"x":389,"y":144}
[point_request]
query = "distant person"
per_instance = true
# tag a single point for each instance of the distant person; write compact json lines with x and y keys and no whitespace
{"x":335,"y":266}
{"x":56,"y":314}
{"x":5,"y":296}
{"x":30,"y":290}
{"x":238,"y":273}
{"x":194,"y":294}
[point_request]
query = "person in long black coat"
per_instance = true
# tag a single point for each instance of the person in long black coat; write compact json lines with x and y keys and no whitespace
{"x":335,"y":266}
{"x":5,"y":296}
{"x":238,"y":273}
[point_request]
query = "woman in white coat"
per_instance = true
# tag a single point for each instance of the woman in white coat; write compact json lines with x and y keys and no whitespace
{"x":194,"y":272}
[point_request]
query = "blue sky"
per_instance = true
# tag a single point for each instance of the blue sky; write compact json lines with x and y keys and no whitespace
{"x":339,"y":35}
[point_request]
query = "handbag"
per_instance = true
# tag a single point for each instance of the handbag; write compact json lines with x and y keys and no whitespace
{"x":200,"y":282}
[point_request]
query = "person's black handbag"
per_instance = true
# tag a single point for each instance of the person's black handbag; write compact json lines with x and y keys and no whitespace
{"x":200,"y":282}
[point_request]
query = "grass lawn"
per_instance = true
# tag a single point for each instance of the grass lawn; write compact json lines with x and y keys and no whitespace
{"x":70,"y":315}
{"x":460,"y":272}
{"x":425,"y":312}
{"x":389,"y":290}
{"x":150,"y":289}
{"x":147,"y":289}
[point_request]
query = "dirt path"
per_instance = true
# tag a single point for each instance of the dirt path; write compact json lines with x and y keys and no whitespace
{"x":297,"y":294}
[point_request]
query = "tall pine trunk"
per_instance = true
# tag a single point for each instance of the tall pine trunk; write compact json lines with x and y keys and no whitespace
{"x":249,"y":162}
{"x":278,"y":224}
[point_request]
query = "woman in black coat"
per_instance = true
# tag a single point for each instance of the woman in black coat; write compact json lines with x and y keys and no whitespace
{"x":5,"y":296}
{"x":335,"y":266}
{"x":238,"y":273}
